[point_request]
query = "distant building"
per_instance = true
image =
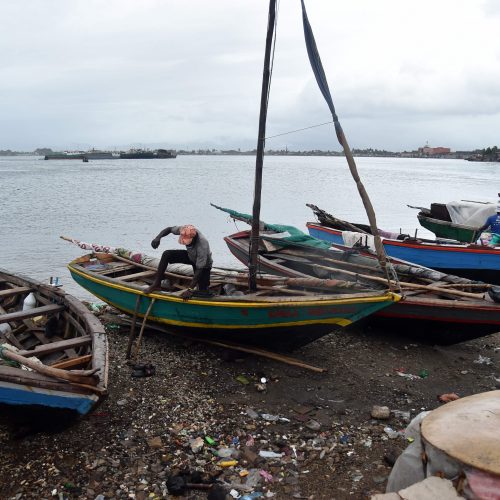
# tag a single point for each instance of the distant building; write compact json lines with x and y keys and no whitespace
{"x":427,"y":150}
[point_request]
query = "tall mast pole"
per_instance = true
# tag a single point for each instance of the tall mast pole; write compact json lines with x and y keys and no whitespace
{"x":266,"y":82}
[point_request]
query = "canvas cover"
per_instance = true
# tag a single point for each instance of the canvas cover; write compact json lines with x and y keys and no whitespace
{"x":470,"y":213}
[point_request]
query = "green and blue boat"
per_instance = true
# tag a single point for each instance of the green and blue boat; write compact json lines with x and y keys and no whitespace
{"x":283,"y":312}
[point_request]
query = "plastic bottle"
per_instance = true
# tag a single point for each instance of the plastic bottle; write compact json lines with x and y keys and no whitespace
{"x":5,"y":328}
{"x":29,"y":302}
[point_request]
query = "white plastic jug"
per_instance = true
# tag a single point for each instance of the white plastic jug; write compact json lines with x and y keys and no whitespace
{"x":29,"y":302}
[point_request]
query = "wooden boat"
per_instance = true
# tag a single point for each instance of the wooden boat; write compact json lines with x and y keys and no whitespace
{"x":478,"y":262}
{"x":282,"y":313}
{"x":435,"y":306}
{"x":53,"y":352}
{"x":463,"y":224}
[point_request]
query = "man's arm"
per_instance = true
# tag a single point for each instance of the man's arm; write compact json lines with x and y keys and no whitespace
{"x":156,"y":242}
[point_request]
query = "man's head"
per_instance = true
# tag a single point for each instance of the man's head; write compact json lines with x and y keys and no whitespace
{"x":188,"y":232}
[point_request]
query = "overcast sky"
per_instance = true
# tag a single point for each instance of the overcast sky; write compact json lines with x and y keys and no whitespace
{"x":187,"y":73}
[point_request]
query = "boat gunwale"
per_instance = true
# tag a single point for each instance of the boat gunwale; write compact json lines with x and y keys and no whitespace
{"x":440,"y":247}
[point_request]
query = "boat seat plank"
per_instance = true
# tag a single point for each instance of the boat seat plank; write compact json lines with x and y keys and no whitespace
{"x":57,"y":346}
{"x":142,"y":274}
{"x":31,"y":313}
{"x":117,"y":269}
{"x":14,"y":291}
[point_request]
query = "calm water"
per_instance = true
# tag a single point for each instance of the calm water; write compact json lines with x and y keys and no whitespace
{"x":127,"y":202}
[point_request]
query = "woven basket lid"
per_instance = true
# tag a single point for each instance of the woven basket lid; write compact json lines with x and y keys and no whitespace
{"x":468,"y":430}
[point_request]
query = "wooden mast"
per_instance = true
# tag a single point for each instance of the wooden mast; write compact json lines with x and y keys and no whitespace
{"x":266,"y":82}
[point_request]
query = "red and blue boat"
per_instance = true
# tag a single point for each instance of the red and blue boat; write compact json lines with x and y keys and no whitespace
{"x":478,"y":262}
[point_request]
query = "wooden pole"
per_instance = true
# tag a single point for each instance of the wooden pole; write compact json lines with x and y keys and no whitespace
{"x":131,"y":336}
{"x":259,"y":162}
{"x":138,"y":345}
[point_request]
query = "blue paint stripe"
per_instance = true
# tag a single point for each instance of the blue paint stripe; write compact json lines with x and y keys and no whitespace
{"x":13,"y":396}
{"x":426,"y":256}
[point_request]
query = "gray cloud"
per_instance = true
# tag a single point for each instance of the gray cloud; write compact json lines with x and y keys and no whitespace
{"x":188,"y":74}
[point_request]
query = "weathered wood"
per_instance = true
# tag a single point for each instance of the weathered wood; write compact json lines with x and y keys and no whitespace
{"x":15,"y":291}
{"x":237,"y":347}
{"x":131,"y":336}
{"x":49,"y":371}
{"x":70,"y":363}
{"x":138,"y":345}
{"x":31,"y":313}
{"x":142,"y":274}
{"x":58,"y":346}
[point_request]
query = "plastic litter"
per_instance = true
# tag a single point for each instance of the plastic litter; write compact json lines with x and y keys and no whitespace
{"x":252,"y":413}
{"x":224,"y":452}
{"x":234,"y":494}
{"x":270,"y":418}
{"x":252,"y":496}
{"x":242,"y":379}
{"x":228,"y":463}
{"x":269,"y":454}
{"x":268,"y":478}
{"x":391,"y":433}
{"x":446,"y":398}
{"x":209,"y":440}
{"x":483,"y":360}
{"x":423,"y":373}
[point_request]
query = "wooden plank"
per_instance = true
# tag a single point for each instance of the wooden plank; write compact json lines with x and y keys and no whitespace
{"x":31,"y":313}
{"x":14,"y":291}
{"x":57,"y":346}
{"x":143,"y":274}
{"x":70,"y":363}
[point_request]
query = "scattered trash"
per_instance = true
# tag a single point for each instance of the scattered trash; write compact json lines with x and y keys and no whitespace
{"x":225,"y":452}
{"x":483,"y":360}
{"x":344,"y":439}
{"x":391,"y":433}
{"x":146,"y":370}
{"x":269,"y":454}
{"x":252,"y":413}
{"x":261,"y":387}
{"x":196,"y":445}
{"x":423,"y":373}
{"x":409,"y":376}
{"x":313,"y":425}
{"x":446,"y":398}
{"x":234,"y":494}
{"x":209,"y":440}
{"x":270,"y":418}
{"x":403,"y":415}
{"x":381,"y":412}
{"x":252,"y":496}
{"x":242,"y":379}
{"x":268,"y":478}
{"x":228,"y":463}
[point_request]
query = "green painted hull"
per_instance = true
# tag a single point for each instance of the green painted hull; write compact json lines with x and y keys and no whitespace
{"x":263,"y":322}
{"x":444,"y":229}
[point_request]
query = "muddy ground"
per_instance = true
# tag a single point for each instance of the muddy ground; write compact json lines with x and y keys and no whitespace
{"x":319,"y":424}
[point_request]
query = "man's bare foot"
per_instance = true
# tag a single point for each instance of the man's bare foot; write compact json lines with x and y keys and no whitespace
{"x":152,"y":288}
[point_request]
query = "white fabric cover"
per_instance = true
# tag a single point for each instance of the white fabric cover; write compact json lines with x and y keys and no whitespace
{"x":470,"y":213}
{"x":351,"y":238}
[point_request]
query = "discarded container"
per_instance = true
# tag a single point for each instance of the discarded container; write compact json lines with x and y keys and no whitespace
{"x":269,"y":454}
{"x":391,"y":433}
{"x":224,"y":452}
{"x":228,"y":463}
{"x":269,"y":418}
{"x":209,"y":440}
{"x":29,"y":302}
{"x":252,"y":496}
